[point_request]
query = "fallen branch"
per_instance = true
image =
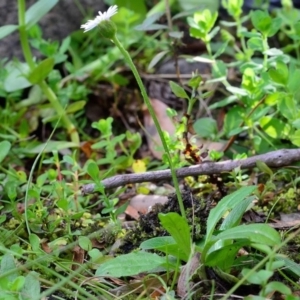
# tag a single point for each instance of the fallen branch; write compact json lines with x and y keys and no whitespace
{"x":276,"y":159}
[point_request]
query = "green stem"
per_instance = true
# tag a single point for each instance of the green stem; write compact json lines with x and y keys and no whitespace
{"x":155,"y":120}
{"x":48,"y":92}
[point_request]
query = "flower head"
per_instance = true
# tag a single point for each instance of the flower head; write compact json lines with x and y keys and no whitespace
{"x":105,"y":16}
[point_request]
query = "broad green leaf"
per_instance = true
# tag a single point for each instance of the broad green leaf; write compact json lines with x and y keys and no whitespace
{"x":260,"y":277}
{"x":224,"y":257}
{"x":41,"y":71}
{"x":6,"y":30}
{"x":227,"y":203}
{"x":256,"y":233}
{"x":179,"y":229}
{"x":274,"y":127}
{"x":17,"y":284}
{"x":277,"y":286}
{"x":206,"y":127}
{"x":93,"y":170}
{"x":293,"y":83}
{"x":280,"y":74}
{"x":178,"y":90}
{"x":262,"y":21}
{"x":255,"y":43}
{"x":287,"y":107}
{"x":8,"y":264}
{"x":63,"y":203}
{"x":295,"y":138}
{"x":16,"y":77}
{"x":130,"y":264}
{"x":234,"y":217}
{"x":32,"y":287}
{"x":289,"y":264}
{"x":165,"y":244}
{"x":249,"y":81}
{"x":275,"y":26}
{"x":273,"y":98}
{"x":5,"y":147}
{"x":38,"y":10}
{"x":85,"y":243}
{"x":138,"y":7}
{"x":157,"y":242}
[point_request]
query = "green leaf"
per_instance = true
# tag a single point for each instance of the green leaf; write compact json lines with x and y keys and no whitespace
{"x":179,"y":229}
{"x":289,"y":264}
{"x":261,"y":20}
{"x":234,"y":7}
{"x":249,"y":80}
{"x":280,"y":74}
{"x":260,"y":277}
{"x":236,"y":214}
{"x":41,"y":71}
{"x":276,"y":286}
{"x":4,"y":149}
{"x":295,"y":138}
{"x":287,"y":107}
{"x":130,"y":264}
{"x":264,"y":168}
{"x":195,"y":81}
{"x":34,"y":242}
{"x":256,"y":233}
{"x":16,"y":77}
{"x":225,"y":256}
{"x":274,"y":127}
{"x":7,"y":265}
{"x":255,"y":43}
{"x":293,"y":83}
{"x":157,"y":58}
{"x":38,"y":10}
{"x":51,"y":146}
{"x":17,"y":284}
{"x":6,"y":30}
{"x":63,"y":203}
{"x":32,"y":287}
{"x":228,"y":202}
{"x":275,"y":26}
{"x":178,"y":90}
{"x":93,"y":170}
{"x":165,"y":244}
{"x":85,"y":243}
{"x":75,"y":106}
{"x":206,"y":127}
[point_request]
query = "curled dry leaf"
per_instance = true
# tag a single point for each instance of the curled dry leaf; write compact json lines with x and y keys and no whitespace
{"x":188,"y":270}
{"x":142,"y":203}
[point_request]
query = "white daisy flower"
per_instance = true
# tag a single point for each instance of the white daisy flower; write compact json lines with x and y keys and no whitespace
{"x":105,"y":16}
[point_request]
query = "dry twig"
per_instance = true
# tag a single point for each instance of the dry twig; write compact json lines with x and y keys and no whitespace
{"x":277,"y":159}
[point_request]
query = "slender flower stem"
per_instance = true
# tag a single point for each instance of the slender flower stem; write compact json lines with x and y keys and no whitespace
{"x":155,"y":120}
{"x":48,"y":92}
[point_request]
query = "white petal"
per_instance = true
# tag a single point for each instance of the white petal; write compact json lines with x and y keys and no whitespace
{"x":90,"y":24}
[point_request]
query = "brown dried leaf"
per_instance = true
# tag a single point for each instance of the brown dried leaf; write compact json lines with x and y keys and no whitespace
{"x":188,"y":270}
{"x":142,"y":203}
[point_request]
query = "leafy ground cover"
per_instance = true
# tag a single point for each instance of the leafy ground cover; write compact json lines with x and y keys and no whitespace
{"x":212,"y":154}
